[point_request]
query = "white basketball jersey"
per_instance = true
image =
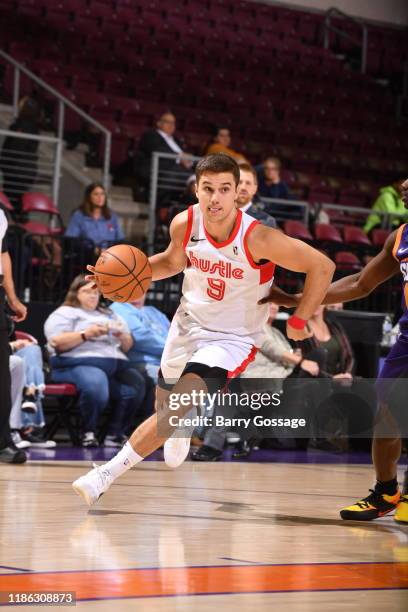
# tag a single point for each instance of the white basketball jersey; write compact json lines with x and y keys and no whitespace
{"x":222,"y":283}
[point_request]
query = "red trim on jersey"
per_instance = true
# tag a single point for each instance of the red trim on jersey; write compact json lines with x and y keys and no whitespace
{"x":267,"y":270}
{"x":235,"y":230}
{"x":187,"y":235}
{"x":238,"y":370}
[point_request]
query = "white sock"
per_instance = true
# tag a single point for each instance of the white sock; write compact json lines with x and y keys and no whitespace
{"x":123,"y":461}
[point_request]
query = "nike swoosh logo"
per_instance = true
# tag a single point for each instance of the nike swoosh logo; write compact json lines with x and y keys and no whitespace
{"x":194,"y":239}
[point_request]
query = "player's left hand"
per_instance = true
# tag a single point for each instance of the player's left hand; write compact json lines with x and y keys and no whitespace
{"x":298,"y":334}
{"x":19,"y":309}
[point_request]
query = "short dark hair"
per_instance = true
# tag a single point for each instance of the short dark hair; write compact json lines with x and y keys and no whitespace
{"x":217,"y":163}
{"x":248,"y":168}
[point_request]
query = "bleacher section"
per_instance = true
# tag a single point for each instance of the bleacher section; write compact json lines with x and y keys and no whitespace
{"x":259,"y":69}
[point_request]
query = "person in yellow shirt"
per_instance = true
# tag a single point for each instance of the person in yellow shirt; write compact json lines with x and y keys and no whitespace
{"x":221,"y":144}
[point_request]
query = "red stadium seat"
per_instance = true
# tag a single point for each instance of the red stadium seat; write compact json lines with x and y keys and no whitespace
{"x":66,"y":395}
{"x":5,"y":201}
{"x":355,"y":235}
{"x":297,"y":229}
{"x":39,"y":203}
{"x":345,"y":260}
{"x":327,"y":233}
{"x":379,"y":236}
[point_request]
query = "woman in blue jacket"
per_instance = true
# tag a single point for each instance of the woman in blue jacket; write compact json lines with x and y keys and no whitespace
{"x":94,"y":221}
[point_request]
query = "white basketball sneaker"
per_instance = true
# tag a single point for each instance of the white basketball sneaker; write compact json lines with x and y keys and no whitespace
{"x":177,"y":447}
{"x":94,"y":484}
{"x":176,"y":450}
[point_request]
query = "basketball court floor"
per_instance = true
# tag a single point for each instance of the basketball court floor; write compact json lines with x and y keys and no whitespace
{"x":222,"y":536}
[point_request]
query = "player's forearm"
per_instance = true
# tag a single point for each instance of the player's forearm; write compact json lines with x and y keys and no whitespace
{"x":317,"y":282}
{"x":282,"y":298}
{"x":163,"y":267}
{"x":346,"y":289}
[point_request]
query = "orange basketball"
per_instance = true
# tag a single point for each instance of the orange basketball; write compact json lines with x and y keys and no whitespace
{"x":123,"y":273}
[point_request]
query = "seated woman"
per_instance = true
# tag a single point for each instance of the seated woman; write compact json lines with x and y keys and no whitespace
{"x":88,"y":346}
{"x":94,"y":221}
{"x":350,"y":398}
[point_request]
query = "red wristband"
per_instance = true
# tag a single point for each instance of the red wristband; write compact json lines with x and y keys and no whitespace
{"x":297,"y":322}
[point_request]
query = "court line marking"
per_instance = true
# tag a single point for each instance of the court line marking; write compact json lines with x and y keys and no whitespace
{"x":17,"y":569}
{"x":217,"y":580}
{"x":188,"y":488}
{"x":220,"y":565}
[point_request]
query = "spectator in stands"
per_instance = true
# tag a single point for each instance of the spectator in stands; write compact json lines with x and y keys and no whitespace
{"x":389,"y":201}
{"x":189,"y":195}
{"x":270,"y":184}
{"x":88,"y":346}
{"x":19,"y":156}
{"x":221,"y":143}
{"x":94,"y":221}
{"x":27,"y":420}
{"x":274,"y":361}
{"x":149,"y":328}
{"x":352,"y":398}
{"x":247,"y":188}
{"x":160,"y":140}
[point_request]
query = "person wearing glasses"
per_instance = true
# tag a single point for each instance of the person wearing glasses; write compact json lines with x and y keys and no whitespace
{"x":270,"y":184}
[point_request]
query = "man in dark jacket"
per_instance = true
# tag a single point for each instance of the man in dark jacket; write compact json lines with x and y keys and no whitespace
{"x":161,"y":140}
{"x":247,"y":188}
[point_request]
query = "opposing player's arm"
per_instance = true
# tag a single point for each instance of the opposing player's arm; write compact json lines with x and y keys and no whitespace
{"x":295,"y":255}
{"x":173,"y":260}
{"x":382,"y":267}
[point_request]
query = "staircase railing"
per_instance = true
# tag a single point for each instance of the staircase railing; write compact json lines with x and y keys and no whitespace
{"x":329,"y":27}
{"x":63,"y":103}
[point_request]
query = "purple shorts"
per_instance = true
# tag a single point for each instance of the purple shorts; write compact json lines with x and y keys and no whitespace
{"x":395,"y":366}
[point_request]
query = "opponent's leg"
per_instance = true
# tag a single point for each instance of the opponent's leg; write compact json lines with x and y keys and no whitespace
{"x":385,"y":496}
{"x":401,"y":514}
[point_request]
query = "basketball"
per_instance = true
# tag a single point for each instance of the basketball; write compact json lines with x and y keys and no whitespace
{"x":123,"y":273}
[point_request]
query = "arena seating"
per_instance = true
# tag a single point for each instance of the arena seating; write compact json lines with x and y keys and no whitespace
{"x":275,"y":85}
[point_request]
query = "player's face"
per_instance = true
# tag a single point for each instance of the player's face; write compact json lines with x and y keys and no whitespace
{"x":98,"y":197}
{"x":88,"y":297}
{"x":247,"y":188}
{"x":216,"y":195}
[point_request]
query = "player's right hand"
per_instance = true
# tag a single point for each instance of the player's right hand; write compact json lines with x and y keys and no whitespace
{"x":91,"y":278}
{"x":298,"y":334}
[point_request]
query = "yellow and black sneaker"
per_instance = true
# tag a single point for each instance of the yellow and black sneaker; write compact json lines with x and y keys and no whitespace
{"x":375,"y":505}
{"x":401,"y":514}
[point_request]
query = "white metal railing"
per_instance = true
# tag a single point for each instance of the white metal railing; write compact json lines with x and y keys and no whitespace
{"x":329,"y":27}
{"x":285,"y":210}
{"x":172,"y":181}
{"x":63,"y":103}
{"x":351,"y":212}
{"x":165,"y":181}
{"x":20,"y":169}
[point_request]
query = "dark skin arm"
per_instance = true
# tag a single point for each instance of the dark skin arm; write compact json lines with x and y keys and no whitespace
{"x":359,"y":285}
{"x":355,"y":286}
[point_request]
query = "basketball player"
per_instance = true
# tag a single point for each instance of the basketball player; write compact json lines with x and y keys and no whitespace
{"x":386,"y":452}
{"x":228,"y":259}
